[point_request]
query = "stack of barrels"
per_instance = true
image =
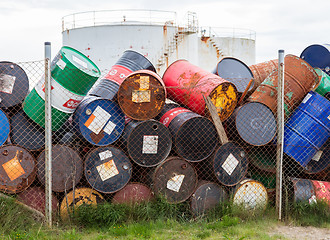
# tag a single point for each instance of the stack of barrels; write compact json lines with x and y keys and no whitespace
{"x":129,"y":135}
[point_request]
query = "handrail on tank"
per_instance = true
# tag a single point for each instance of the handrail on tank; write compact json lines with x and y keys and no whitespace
{"x":228,"y":32}
{"x":118,"y":17}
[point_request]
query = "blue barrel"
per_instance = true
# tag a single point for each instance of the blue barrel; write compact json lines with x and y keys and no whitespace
{"x":318,"y":56}
{"x":307,"y":129}
{"x":99,"y":121}
{"x":5,"y":128}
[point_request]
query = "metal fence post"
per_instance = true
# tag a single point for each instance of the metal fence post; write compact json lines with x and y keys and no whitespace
{"x":48,"y":135}
{"x":280,"y":133}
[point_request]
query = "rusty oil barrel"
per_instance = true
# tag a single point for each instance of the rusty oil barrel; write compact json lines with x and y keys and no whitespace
{"x":250,"y":194}
{"x":14,"y":84}
{"x":148,"y":143}
{"x":67,"y":168}
{"x":26,"y":133}
{"x":107,"y":169}
{"x":322,"y":190}
{"x":18,"y":169}
{"x":195,"y":137}
{"x":35,"y":197}
{"x":142,"y":95}
{"x":175,"y":179}
{"x":262,"y":70}
{"x":133,"y":193}
{"x":131,"y":61}
{"x":187,"y":84}
{"x":77,"y":197}
{"x":301,"y":190}
{"x":208,"y":195}
{"x":236,"y":72}
{"x":299,"y":79}
{"x":230,"y":164}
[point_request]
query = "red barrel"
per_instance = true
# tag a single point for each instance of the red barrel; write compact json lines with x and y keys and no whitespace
{"x":67,"y":168}
{"x":175,"y":179}
{"x":107,"y":169}
{"x":133,"y":193}
{"x":187,"y":84}
{"x":195,"y":137}
{"x":35,"y":197}
{"x":322,"y":190}
{"x":262,"y":70}
{"x":142,"y":95}
{"x":208,"y":195}
{"x":18,"y":169}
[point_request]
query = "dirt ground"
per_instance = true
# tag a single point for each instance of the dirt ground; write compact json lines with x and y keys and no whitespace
{"x":302,"y":233}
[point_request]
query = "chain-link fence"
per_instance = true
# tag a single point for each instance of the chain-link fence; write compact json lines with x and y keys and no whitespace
{"x":129,"y":135}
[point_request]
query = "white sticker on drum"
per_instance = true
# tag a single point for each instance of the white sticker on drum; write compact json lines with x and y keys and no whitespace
{"x":175,"y":183}
{"x":150,"y":144}
{"x":107,"y":170}
{"x":141,"y":96}
{"x":308,"y":96}
{"x":317,"y":156}
{"x":97,"y":120}
{"x":230,"y":164}
{"x":61,"y":64}
{"x":109,"y":128}
{"x":105,"y":155}
{"x":144,"y":82}
{"x":7,"y":83}
{"x":79,"y":61}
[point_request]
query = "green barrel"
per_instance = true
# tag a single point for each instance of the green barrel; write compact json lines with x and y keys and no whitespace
{"x":72,"y":76}
{"x":267,"y":179}
{"x":323,"y":87}
{"x":74,"y":71}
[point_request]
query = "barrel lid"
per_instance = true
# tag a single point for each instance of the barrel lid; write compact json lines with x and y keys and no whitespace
{"x":318,"y":56}
{"x":256,"y":123}
{"x":235,"y":71}
{"x":14,"y":84}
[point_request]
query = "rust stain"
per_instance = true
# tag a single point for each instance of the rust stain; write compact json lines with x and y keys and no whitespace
{"x":205,"y":39}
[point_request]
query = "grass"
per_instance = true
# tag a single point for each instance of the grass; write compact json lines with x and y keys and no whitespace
{"x":157,"y":220}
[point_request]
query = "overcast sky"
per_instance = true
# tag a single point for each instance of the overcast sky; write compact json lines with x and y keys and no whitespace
{"x":291,"y":25}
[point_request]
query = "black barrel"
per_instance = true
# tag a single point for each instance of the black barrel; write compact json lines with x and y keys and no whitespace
{"x":148,"y":142}
{"x":14,"y":84}
{"x":129,"y":62}
{"x":26,"y":133}
{"x":230,"y":164}
{"x":320,"y":161}
{"x":107,"y":169}
{"x":195,"y":137}
{"x":67,"y":168}
{"x":208,"y":195}
{"x":175,"y":179}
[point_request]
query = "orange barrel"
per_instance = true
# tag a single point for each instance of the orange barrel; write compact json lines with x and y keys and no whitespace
{"x":78,"y":197}
{"x":107,"y":169}
{"x":187,"y":84}
{"x":18,"y":169}
{"x":208,"y":195}
{"x":301,"y":190}
{"x":250,"y":194}
{"x":230,"y":164}
{"x":14,"y":84}
{"x":148,"y":143}
{"x":195,"y":137}
{"x":175,"y":179}
{"x":236,"y":72}
{"x":26,"y":133}
{"x":262,"y":70}
{"x":322,"y":190}
{"x":35,"y":198}
{"x":129,"y":62}
{"x":299,"y":79}
{"x":67,"y":168}
{"x":142,"y":95}
{"x":133,"y":193}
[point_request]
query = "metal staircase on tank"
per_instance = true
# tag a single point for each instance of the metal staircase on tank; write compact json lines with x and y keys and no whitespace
{"x":220,"y":53}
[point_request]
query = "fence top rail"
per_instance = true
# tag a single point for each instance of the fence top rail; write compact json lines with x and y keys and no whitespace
{"x":118,"y":17}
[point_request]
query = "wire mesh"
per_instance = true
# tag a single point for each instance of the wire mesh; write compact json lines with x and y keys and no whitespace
{"x":127,"y":135}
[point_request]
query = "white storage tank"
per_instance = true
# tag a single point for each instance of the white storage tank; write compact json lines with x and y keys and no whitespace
{"x":103,"y":36}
